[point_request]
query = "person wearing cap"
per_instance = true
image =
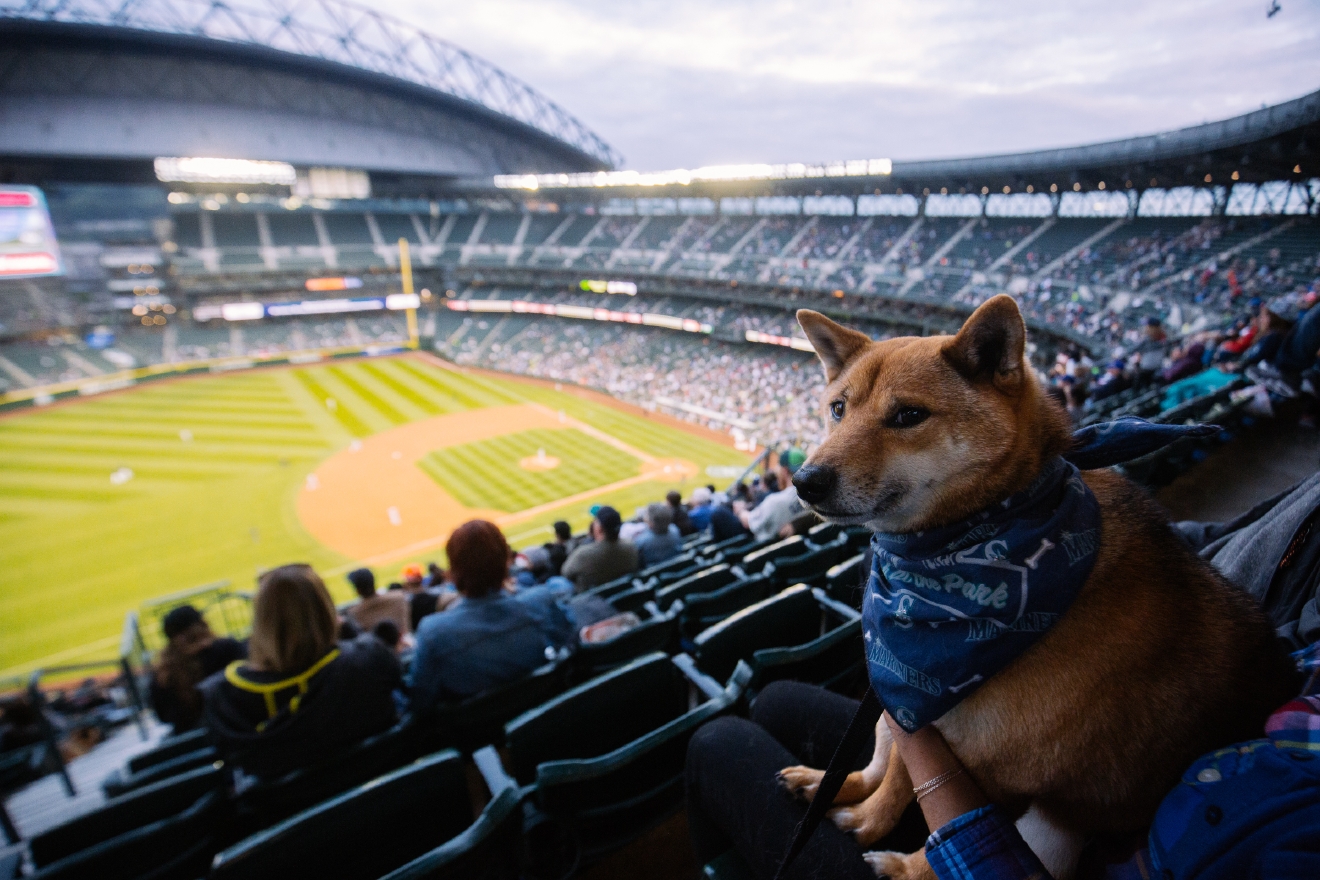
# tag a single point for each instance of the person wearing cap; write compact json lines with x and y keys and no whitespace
{"x":191,"y":654}
{"x":422,"y":601}
{"x":606,"y":558}
{"x":373,"y":607}
{"x":774,"y":516}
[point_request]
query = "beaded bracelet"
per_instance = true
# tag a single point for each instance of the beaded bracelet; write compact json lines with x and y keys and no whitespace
{"x":931,"y":784}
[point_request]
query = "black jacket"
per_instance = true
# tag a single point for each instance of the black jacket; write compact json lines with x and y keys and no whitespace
{"x":270,"y":725}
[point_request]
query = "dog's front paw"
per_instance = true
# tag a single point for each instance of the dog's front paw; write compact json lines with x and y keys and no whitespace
{"x":897,"y":866}
{"x":865,"y":827}
{"x":801,"y":781}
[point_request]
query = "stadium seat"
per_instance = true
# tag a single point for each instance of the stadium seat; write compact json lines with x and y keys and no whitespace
{"x":823,"y":533}
{"x":845,"y":581}
{"x":733,"y":550}
{"x":799,"y":634}
{"x":633,"y":599}
{"x":704,"y":581}
{"x":670,"y":565}
{"x":479,"y":720}
{"x":490,"y":848}
{"x":604,"y":761}
{"x":168,"y":749}
{"x":400,"y":822}
{"x":757,"y":559}
{"x":808,"y":568}
{"x":618,"y":585}
{"x":655,"y":633}
{"x":122,"y":815}
{"x":177,"y":847}
{"x":274,"y":800}
{"x":702,"y":610}
{"x":117,"y":784}
{"x":728,"y":544}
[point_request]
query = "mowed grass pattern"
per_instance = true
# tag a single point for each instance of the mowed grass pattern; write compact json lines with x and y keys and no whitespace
{"x":77,"y":552}
{"x":486,"y":474}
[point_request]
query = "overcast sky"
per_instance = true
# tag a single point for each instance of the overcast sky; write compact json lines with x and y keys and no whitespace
{"x":681,"y":83}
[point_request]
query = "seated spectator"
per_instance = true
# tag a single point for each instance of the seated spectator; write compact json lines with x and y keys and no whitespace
{"x":680,"y":514}
{"x":490,"y":638}
{"x":1113,"y":381}
{"x":422,"y":601}
{"x":300,"y":698}
{"x":1185,"y":361}
{"x":191,"y":655}
{"x":661,"y":540}
{"x":699,"y":515}
{"x":388,"y":633}
{"x":435,"y":577}
{"x":373,"y":607}
{"x":774,"y":515}
{"x":558,"y":548}
{"x":607,"y":558}
{"x":724,"y":523}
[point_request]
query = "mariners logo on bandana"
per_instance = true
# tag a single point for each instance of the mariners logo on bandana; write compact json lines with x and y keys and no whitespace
{"x":947,"y":608}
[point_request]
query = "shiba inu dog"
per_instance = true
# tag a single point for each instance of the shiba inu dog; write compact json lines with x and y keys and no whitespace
{"x":1157,"y":660}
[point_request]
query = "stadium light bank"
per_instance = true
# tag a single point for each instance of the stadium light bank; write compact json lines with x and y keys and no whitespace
{"x":687,"y":176}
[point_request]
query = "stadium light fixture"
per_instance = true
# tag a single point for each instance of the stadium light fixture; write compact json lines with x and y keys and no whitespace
{"x":688,"y":176}
{"x":208,"y":170}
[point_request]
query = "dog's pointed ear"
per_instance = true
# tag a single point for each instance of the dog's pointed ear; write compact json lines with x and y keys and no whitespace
{"x":992,"y":344}
{"x":835,"y":345}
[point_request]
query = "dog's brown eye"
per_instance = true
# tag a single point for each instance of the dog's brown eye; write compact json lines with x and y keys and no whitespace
{"x":836,"y":409}
{"x":908,"y":417}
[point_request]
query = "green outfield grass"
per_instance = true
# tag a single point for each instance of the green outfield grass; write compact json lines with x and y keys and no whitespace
{"x":218,"y":502}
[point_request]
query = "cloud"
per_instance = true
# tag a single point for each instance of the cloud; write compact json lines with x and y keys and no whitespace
{"x":684,"y":83}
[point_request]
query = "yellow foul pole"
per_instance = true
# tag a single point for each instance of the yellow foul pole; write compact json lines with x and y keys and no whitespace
{"x":405,"y":268}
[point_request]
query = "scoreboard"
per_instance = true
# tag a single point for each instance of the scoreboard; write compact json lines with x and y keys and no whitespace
{"x":27,"y":240}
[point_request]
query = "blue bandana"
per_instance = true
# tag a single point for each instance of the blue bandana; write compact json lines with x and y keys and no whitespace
{"x":947,"y":608}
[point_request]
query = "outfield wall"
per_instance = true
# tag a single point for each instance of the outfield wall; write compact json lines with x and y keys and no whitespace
{"x":27,"y":398}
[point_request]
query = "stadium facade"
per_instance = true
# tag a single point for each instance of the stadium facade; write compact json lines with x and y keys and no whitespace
{"x":301,"y":145}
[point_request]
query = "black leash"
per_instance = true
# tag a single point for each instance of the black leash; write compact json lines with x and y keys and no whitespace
{"x":863,"y":722}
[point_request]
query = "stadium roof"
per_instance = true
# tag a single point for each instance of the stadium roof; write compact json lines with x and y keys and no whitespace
{"x":325,"y":31}
{"x":1270,"y":144}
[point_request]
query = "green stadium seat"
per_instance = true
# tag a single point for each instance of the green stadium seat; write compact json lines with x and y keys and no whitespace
{"x":809,"y":568}
{"x":728,"y":544}
{"x":633,"y":599}
{"x":169,"y":748}
{"x":702,"y":610}
{"x":604,"y":761}
{"x":704,"y":581}
{"x":824,"y":533}
{"x":672,"y":564}
{"x":736,"y":548}
{"x":479,"y":720}
{"x":799,"y":634}
{"x":125,"y":814}
{"x":274,"y":800}
{"x":388,"y":824}
{"x":490,"y":848}
{"x":178,"y":847}
{"x":757,"y":559}
{"x":657,"y":633}
{"x":618,"y":585}
{"x":116,"y":784}
{"x":846,"y":581}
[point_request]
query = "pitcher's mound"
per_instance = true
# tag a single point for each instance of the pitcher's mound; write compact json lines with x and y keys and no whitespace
{"x":538,"y":463}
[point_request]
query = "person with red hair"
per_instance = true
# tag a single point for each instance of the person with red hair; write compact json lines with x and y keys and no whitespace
{"x":490,"y":637}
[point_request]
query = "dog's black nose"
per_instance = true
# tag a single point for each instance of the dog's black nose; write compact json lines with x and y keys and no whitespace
{"x":815,"y":482}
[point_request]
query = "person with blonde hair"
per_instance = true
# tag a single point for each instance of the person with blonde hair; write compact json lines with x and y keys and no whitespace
{"x":302,"y":696}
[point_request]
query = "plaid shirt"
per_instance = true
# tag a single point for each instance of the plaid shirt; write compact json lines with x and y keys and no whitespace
{"x":1250,"y":810}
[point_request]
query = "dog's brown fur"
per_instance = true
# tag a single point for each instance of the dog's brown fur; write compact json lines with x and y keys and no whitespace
{"x":1158,"y":660}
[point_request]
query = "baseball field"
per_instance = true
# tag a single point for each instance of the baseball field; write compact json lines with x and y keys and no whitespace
{"x":109,"y":501}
